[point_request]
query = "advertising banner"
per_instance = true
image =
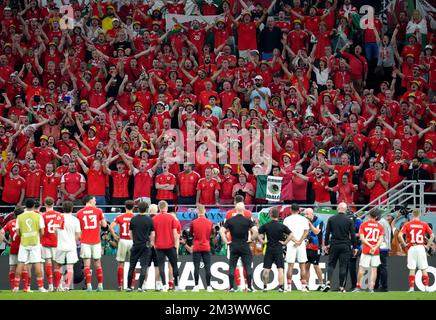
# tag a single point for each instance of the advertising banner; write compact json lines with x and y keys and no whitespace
{"x":397,"y":274}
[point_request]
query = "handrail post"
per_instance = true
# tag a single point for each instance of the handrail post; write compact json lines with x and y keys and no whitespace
{"x":414,"y":194}
{"x":421,"y":200}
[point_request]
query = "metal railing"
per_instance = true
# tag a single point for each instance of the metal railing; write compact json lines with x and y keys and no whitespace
{"x":404,"y":194}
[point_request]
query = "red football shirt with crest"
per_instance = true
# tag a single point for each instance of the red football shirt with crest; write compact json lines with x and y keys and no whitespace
{"x":52,"y":221}
{"x":188,"y":183}
{"x":207,"y":190}
{"x":166,"y":179}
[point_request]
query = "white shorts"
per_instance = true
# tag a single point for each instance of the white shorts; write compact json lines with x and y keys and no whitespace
{"x":48,"y":252}
{"x":13,"y":259}
{"x":296,"y":254}
{"x":66,"y":257}
{"x":123,"y":252}
{"x":417,"y":258}
{"x":368,"y":260}
{"x":30,"y":254}
{"x":90,"y":251}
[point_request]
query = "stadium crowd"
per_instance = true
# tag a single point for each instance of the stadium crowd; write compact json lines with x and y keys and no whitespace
{"x":90,"y":104}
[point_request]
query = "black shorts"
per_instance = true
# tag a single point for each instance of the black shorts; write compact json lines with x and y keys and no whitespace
{"x":313,"y":256}
{"x":153,"y":257}
{"x":273,"y":256}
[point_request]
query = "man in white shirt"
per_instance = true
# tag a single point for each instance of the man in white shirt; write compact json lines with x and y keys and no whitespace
{"x":66,"y":251}
{"x":296,"y":251}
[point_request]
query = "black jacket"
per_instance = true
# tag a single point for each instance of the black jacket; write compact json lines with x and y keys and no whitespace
{"x":342,"y":231}
{"x":414,"y":174}
{"x":270,"y":39}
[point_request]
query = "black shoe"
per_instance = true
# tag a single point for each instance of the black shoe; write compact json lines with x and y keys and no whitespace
{"x":381,"y":290}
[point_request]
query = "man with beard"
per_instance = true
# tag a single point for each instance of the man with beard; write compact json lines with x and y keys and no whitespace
{"x":258,"y":90}
{"x":378,"y":180}
{"x":33,"y":178}
{"x":73,"y":184}
{"x":394,"y":168}
{"x":415,"y":172}
{"x":49,"y":184}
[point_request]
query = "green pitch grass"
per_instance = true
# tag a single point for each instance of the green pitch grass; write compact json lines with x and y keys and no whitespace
{"x":217,"y":295}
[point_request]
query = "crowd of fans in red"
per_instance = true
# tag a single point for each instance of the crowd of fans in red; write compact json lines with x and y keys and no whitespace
{"x":88,"y":103}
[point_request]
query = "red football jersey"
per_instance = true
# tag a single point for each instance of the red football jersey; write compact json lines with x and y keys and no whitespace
{"x":11,"y":227}
{"x":52,"y":220}
{"x":50,"y":186}
{"x":124,"y":222}
{"x":415,"y":232}
{"x":207,"y":190}
{"x":143,"y":184}
{"x":90,"y":219}
{"x":372,"y":231}
{"x":188,"y":183}
{"x":319,"y":187}
{"x":165,"y":179}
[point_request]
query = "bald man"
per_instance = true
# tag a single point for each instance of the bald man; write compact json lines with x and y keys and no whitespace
{"x":313,"y":247}
{"x":239,"y":227}
{"x":340,"y":237}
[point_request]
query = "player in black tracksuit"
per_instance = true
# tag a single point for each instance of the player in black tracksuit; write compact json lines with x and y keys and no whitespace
{"x":275,"y":233}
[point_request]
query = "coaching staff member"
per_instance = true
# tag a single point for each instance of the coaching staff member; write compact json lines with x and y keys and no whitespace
{"x":275,"y":232}
{"x":239,"y":226}
{"x":166,"y":242}
{"x":340,"y":236}
{"x":142,"y":233}
{"x":201,"y":229}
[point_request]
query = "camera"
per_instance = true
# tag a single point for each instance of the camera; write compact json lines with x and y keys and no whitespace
{"x":187,"y":237}
{"x":404,"y":211}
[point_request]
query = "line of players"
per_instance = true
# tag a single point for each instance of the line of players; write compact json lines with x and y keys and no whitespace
{"x":50,"y":238}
